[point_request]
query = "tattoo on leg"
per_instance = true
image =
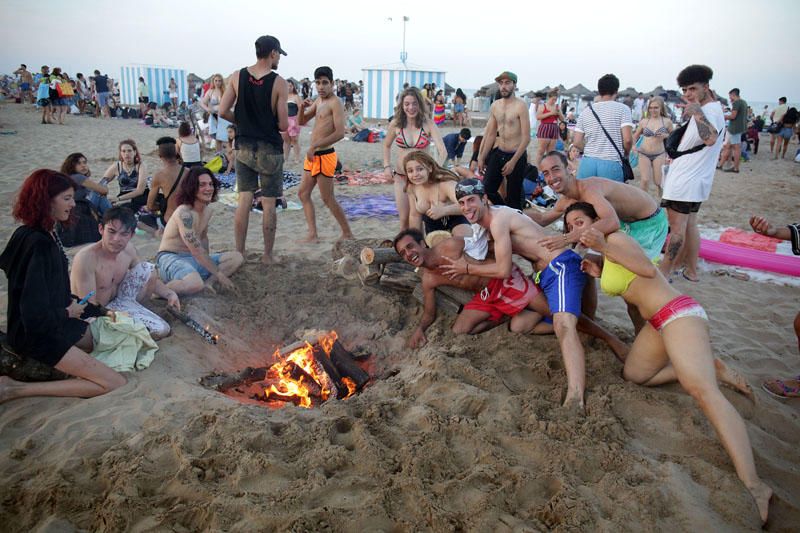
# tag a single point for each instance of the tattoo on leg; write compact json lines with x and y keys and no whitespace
{"x":674,"y":247}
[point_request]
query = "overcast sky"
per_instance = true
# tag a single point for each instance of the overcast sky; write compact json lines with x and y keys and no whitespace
{"x":749,"y":44}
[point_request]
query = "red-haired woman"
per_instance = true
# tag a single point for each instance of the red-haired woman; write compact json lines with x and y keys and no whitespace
{"x":43,"y":317}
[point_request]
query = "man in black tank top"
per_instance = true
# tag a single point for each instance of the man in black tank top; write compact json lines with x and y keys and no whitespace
{"x":260,"y":115}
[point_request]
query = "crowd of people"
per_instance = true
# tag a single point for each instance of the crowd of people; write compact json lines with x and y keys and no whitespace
{"x":633,"y":242}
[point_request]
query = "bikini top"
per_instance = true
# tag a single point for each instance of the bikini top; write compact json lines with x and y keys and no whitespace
{"x":422,"y":141}
{"x":647,"y":132}
{"x":615,"y":279}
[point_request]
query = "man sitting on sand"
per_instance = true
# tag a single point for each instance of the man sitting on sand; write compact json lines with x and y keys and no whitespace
{"x":184,"y":261}
{"x":319,"y":166}
{"x":560,"y":275}
{"x":517,"y":296}
{"x":111,"y":271}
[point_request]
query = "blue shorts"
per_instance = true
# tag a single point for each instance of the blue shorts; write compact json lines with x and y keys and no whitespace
{"x":173,"y":266}
{"x":562,"y":283}
{"x":102,"y":99}
{"x":786,"y":133}
{"x":591,"y":166}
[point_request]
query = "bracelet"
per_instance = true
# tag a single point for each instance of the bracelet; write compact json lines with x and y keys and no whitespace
{"x":467,"y":268}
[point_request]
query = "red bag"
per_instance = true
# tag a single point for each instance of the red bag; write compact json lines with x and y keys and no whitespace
{"x":373,"y":137}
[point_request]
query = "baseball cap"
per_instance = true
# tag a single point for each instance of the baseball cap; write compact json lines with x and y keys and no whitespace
{"x":507,"y":74}
{"x":469,"y":186}
{"x":266,"y":44}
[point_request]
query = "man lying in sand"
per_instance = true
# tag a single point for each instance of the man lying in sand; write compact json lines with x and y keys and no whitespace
{"x":560,"y":275}
{"x":112,"y":272}
{"x":516,"y":296}
{"x":184,"y":261}
{"x":319,"y":166}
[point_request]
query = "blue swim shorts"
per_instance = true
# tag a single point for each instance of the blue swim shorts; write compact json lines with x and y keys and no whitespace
{"x":562,"y":283}
{"x":173,"y":265}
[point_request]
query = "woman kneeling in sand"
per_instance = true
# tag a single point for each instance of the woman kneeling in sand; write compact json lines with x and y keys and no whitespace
{"x":43,"y":318}
{"x":674,"y":344}
{"x":432,"y":194}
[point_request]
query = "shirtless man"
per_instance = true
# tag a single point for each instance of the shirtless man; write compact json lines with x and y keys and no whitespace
{"x":166,"y":179}
{"x":110,"y":270}
{"x":319,"y":166}
{"x":261,"y":113}
{"x":25,"y":84}
{"x":494,"y":298}
{"x":619,"y":206}
{"x":184,"y":261}
{"x":560,"y":276}
{"x":504,"y":148}
{"x":516,"y":296}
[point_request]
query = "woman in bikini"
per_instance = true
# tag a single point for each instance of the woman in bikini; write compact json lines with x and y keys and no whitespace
{"x":410,"y":129}
{"x":432,"y":196}
{"x":674,"y":345}
{"x":291,"y":137}
{"x":655,"y":128}
{"x":459,"y":105}
{"x":548,"y":115}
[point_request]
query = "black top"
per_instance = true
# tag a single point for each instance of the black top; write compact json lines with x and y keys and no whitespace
{"x":292,"y":109}
{"x":101,"y":84}
{"x":38,"y":294}
{"x":255,"y":118}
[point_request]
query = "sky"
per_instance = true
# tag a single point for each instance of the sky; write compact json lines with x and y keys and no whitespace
{"x":644,"y":43}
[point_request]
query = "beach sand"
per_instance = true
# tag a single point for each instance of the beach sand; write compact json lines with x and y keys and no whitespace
{"x":464,"y":434}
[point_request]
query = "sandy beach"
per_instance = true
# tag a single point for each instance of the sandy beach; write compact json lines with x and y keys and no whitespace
{"x":464,"y":434}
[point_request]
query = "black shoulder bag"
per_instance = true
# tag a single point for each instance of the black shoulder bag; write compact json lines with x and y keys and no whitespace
{"x":627,"y":170}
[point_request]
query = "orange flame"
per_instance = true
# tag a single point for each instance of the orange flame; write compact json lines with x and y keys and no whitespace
{"x":295,"y":389}
{"x":351,"y":386}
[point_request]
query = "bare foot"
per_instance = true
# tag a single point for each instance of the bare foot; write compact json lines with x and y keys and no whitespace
{"x":345,"y":237}
{"x":7,"y":386}
{"x":733,"y":379}
{"x":573,"y":406}
{"x":762,"y":494}
{"x":268,"y":259}
{"x":310,"y":239}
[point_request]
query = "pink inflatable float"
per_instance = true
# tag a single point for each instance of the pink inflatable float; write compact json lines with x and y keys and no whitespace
{"x":728,"y":254}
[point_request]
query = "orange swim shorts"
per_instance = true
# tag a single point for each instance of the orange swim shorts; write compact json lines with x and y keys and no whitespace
{"x":324,"y":163}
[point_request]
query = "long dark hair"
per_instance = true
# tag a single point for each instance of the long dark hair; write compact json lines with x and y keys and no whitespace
{"x":190,"y":184}
{"x":69,"y":164}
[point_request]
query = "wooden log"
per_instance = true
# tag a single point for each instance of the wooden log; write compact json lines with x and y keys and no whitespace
{"x":399,"y":277}
{"x":346,"y":267}
{"x":310,"y":383}
{"x":327,"y":365}
{"x":347,"y":367}
{"x":369,"y":274}
{"x":448,"y":299}
{"x":223,"y":382}
{"x":24,"y":368}
{"x":370,"y":255}
{"x":353,"y":247}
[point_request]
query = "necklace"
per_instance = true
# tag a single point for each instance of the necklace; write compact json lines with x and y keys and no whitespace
{"x":60,"y":246}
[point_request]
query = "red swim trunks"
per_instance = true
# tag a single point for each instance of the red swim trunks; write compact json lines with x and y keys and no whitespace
{"x":505,"y":297}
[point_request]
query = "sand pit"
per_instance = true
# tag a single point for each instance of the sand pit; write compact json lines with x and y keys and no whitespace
{"x":464,"y":434}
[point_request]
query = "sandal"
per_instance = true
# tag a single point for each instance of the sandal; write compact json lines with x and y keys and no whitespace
{"x":779,"y":389}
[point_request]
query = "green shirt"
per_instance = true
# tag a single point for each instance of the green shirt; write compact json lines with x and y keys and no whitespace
{"x":739,"y":124}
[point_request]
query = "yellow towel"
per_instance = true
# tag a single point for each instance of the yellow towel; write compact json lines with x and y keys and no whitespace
{"x":123,"y":345}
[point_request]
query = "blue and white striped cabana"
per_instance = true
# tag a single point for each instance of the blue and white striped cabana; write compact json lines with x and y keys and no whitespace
{"x":382,"y":84}
{"x":157,"y":80}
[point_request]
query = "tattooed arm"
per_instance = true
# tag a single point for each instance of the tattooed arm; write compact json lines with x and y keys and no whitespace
{"x":187,"y":221}
{"x":706,"y":131}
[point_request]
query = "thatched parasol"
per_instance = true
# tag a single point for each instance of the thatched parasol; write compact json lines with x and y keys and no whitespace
{"x":630,"y":91}
{"x":448,"y":89}
{"x":578,"y":90}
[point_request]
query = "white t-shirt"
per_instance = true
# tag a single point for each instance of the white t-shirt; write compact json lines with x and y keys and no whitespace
{"x":690,"y":176}
{"x":638,"y":105}
{"x":614,"y":116}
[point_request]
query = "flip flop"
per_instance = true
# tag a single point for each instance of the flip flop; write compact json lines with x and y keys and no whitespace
{"x":730,"y":170}
{"x":781,"y":389}
{"x":687,"y":278}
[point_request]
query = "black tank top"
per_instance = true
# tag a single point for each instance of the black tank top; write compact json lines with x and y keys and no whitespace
{"x":292,"y":109}
{"x":255,"y":119}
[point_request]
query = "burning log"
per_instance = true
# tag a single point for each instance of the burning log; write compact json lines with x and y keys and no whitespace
{"x":399,"y":277}
{"x":223,"y":382}
{"x":347,"y":367}
{"x":195,"y":325}
{"x":370,"y":274}
{"x":378,"y":256}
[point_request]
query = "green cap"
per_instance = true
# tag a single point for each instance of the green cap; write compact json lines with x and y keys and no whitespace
{"x":507,"y":74}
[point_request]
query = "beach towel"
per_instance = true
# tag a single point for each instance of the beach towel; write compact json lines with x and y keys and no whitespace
{"x":368,"y":206}
{"x":749,"y":239}
{"x":365,"y":178}
{"x":438,"y":114}
{"x":123,"y":345}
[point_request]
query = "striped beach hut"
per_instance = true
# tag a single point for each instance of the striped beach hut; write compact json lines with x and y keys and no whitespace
{"x":157,"y":80}
{"x":383,"y":83}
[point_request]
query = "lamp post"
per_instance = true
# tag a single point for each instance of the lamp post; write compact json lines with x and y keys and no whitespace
{"x":404,"y":54}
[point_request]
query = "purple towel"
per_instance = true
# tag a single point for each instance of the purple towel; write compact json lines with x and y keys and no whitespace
{"x":368,"y":206}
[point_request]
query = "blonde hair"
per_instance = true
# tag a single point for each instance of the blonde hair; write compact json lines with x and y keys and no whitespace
{"x":662,"y":106}
{"x":436,"y":173}
{"x":222,"y":87}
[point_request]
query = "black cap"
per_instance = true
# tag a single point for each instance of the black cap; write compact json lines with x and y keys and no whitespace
{"x":266,"y":44}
